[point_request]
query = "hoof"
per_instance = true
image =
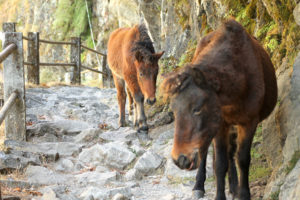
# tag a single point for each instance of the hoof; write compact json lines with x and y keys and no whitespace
{"x":143,"y":128}
{"x":197,"y":194}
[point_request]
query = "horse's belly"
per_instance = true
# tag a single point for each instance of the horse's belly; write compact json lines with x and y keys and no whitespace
{"x":234,"y":114}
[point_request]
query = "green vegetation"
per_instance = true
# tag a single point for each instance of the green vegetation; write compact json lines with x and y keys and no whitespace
{"x":71,"y":18}
{"x":275,"y":195}
{"x":293,"y":162}
{"x":182,"y":9}
{"x":258,"y":168}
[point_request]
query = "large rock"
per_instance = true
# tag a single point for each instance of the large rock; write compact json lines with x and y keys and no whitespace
{"x":17,"y":162}
{"x":96,"y":178}
{"x":105,"y":194}
{"x":49,"y":148}
{"x":44,"y":176}
{"x":92,"y":155}
{"x":291,"y":186}
{"x":123,"y":134}
{"x":281,"y":129}
{"x":117,"y":155}
{"x":148,"y":162}
{"x":296,"y":13}
{"x":87,"y":135}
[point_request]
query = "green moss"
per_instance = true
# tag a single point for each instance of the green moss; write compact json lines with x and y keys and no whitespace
{"x":293,"y":162}
{"x":259,"y":172}
{"x":182,"y":10}
{"x":71,"y":18}
{"x":275,"y":195}
{"x":268,"y":27}
{"x":188,"y":55}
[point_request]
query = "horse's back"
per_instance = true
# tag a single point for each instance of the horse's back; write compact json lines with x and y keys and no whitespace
{"x":117,"y":48}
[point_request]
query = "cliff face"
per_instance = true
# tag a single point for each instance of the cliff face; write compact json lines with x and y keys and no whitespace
{"x":175,"y":26}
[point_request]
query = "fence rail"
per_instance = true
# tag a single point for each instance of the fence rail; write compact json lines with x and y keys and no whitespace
{"x":57,"y":42}
{"x":93,"y":50}
{"x":10,"y":101}
{"x":7,"y":51}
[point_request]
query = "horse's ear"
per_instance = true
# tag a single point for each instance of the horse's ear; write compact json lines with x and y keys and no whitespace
{"x":175,"y":82}
{"x":138,"y":56}
{"x":200,"y":79}
{"x":198,"y":76}
{"x":159,"y":55}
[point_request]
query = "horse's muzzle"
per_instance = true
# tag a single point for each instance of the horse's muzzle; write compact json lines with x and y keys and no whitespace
{"x":183,"y":162}
{"x":151,"y":101}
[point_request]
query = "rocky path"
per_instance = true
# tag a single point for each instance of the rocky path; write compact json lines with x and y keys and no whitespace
{"x":75,"y":150}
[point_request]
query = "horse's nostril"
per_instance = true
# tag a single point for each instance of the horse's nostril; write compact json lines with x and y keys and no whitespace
{"x":183,"y":162}
{"x":151,"y":101}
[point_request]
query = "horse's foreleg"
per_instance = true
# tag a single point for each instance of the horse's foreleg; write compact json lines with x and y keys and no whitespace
{"x":232,"y":174}
{"x":120,"y":85}
{"x":245,"y":136}
{"x":198,"y":190}
{"x":221,"y":161}
{"x":142,"y":121}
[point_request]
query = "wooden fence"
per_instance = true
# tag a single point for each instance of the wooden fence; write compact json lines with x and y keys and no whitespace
{"x":12,"y":57}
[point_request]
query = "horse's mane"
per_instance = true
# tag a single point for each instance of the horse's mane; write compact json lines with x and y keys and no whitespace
{"x":144,"y":43}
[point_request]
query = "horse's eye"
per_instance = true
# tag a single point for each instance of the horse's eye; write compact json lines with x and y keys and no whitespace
{"x":197,"y":111}
{"x":141,"y":74}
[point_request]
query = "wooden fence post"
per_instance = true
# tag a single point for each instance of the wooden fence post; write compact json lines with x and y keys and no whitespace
{"x":76,"y":58}
{"x":107,"y":78}
{"x":9,"y":27}
{"x":33,"y":71}
{"x":15,"y":125}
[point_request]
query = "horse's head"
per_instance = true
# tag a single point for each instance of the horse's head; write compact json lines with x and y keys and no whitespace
{"x":197,"y":114}
{"x":147,"y":70}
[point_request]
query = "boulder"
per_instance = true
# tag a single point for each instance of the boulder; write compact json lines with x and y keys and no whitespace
{"x":291,"y":186}
{"x":117,"y":155}
{"x":148,"y":163}
{"x":44,"y":176}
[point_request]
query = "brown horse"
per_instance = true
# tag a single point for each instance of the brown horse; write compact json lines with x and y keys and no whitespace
{"x":231,"y":81}
{"x":132,"y":60}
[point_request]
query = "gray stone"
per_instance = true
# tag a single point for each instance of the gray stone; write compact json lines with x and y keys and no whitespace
{"x":133,"y":174}
{"x":148,"y":163}
{"x":17,"y":160}
{"x":87,"y":135}
{"x":137,"y":149}
{"x":49,"y":195}
{"x":93,"y":154}
{"x":291,"y":186}
{"x":296,"y":13}
{"x":44,"y":176}
{"x":96,"y":178}
{"x":169,"y":197}
{"x":123,"y":134}
{"x":117,"y":155}
{"x":119,"y":197}
{"x":49,"y":148}
{"x":65,"y":165}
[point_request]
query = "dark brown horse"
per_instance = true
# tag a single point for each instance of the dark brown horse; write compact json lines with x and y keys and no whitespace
{"x":231,"y":81}
{"x":132,"y":60}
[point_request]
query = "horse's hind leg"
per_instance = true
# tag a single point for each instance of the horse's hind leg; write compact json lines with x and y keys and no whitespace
{"x":232,"y":174}
{"x":198,"y":190}
{"x":120,"y":85}
{"x":245,"y":136}
{"x":130,"y":101}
